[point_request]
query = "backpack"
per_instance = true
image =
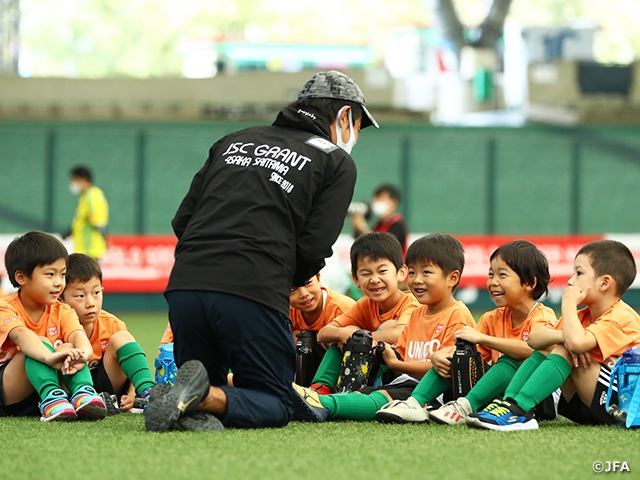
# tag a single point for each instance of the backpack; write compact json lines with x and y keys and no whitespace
{"x":627,"y":372}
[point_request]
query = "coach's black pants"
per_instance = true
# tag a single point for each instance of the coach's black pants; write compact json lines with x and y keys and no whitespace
{"x":227,"y":331}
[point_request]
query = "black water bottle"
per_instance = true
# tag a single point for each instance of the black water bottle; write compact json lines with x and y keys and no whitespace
{"x":357,"y":360}
{"x":306,"y":363}
{"x":467,"y":367}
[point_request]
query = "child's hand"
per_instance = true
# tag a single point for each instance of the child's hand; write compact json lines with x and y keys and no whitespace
{"x":442,"y":365}
{"x":574,"y":295}
{"x":389,"y":355}
{"x":74,"y":362}
{"x":469,"y":334}
{"x":126,"y":402}
{"x":578,"y":359}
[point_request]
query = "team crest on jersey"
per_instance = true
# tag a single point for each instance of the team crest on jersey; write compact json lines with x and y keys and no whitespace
{"x":321,"y":144}
{"x":53,"y":331}
{"x":10,"y":319}
{"x":104,"y":344}
{"x":438,"y":329}
{"x":525,"y":335}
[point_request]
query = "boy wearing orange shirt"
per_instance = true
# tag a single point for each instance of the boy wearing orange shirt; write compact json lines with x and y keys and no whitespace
{"x":36,"y":264}
{"x":377,"y":268}
{"x":117,"y":362}
{"x":586,"y":346}
{"x":435,"y":263}
{"x":313,"y":306}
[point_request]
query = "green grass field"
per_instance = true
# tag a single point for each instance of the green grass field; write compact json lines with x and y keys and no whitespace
{"x":118,"y":447}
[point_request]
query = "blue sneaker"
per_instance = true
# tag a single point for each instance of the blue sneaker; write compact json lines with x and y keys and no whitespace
{"x":507,"y":417}
{"x":307,"y":406}
{"x":141,"y":401}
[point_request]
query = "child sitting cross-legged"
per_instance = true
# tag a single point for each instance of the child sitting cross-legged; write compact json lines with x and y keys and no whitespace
{"x":435,"y":263}
{"x":118,"y":364}
{"x":584,"y":347}
{"x":518,"y":276}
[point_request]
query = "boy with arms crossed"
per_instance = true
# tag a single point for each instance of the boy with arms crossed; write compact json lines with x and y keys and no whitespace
{"x":587,"y":344}
{"x":518,"y":276}
{"x":377,"y":268}
{"x":435,"y":264}
{"x":36,"y":264}
{"x":117,"y":360}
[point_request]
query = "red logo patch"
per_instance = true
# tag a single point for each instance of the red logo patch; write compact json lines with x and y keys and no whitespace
{"x":525,"y":335}
{"x":53,"y":331}
{"x":438,"y":329}
{"x":104,"y":344}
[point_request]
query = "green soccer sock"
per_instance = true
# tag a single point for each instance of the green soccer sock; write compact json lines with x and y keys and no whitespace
{"x":134,"y":365}
{"x":523,"y":374}
{"x":545,"y":380}
{"x":82,"y":378}
{"x":493,"y":382}
{"x":43,"y":378}
{"x":353,"y":406}
{"x":329,"y":368}
{"x":430,"y":387}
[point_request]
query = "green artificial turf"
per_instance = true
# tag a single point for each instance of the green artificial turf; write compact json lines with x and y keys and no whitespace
{"x":119,"y":447}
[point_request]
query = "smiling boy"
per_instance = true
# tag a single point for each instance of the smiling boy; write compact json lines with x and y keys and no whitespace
{"x":377,"y":267}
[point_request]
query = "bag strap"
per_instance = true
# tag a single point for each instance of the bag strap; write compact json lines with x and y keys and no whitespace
{"x":614,"y":372}
{"x":634,"y":406}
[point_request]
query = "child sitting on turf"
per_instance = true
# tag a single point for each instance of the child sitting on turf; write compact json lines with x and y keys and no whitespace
{"x":36,"y":263}
{"x":435,"y":263}
{"x":518,"y":276}
{"x":118,"y":364}
{"x":377,"y":267}
{"x":586,"y":345}
{"x":312,"y":306}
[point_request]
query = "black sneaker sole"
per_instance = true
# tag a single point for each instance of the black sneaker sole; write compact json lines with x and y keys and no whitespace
{"x":107,"y":398}
{"x":384,"y":417}
{"x":200,"y":422}
{"x":192,"y":384}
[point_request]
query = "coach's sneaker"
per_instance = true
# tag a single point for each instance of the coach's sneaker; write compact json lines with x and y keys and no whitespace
{"x":506,"y":417}
{"x":452,"y":413}
{"x":190,"y":388}
{"x":56,"y":406}
{"x":307,"y":406}
{"x":88,"y":404}
{"x":402,"y":411}
{"x":199,"y":421}
{"x":111,"y":402}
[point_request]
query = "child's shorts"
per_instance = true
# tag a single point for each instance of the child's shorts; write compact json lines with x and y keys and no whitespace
{"x":102,"y":383}
{"x":596,"y":413}
{"x":27,"y":407}
{"x":397,"y":391}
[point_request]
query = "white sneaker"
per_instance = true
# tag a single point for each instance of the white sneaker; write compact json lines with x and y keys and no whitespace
{"x":452,"y":413}
{"x":403,"y":411}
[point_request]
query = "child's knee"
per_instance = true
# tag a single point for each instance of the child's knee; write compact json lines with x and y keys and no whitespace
{"x":119,"y":339}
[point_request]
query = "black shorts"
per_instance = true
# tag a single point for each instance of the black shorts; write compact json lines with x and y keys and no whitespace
{"x":398,"y":391}
{"x":25,"y":408}
{"x":596,"y":413}
{"x":102,"y":383}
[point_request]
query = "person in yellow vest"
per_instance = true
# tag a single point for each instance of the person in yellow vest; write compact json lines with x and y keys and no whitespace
{"x":89,"y":226}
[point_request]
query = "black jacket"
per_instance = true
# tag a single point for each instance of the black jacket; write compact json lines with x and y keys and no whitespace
{"x":264,"y":211}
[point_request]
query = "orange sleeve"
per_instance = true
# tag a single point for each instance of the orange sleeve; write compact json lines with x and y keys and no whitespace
{"x":407,"y":310}
{"x":483,"y":327}
{"x":459,"y":318}
{"x":611,"y":338}
{"x":69,"y":323}
{"x":168,"y":335}
{"x":356,"y":315}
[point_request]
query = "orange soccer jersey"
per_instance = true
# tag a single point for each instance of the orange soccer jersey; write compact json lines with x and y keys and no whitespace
{"x":168,"y":335}
{"x":615,"y":330}
{"x":335,"y":304}
{"x":497,"y":323}
{"x":57,"y":322}
{"x":104,"y":326}
{"x":365,"y":314}
{"x":425,"y":334}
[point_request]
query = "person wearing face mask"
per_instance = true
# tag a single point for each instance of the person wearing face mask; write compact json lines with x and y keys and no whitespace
{"x":386,"y":199}
{"x":89,"y":225}
{"x":259,"y":219}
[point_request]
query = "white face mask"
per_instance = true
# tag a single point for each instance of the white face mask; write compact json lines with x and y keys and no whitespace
{"x":352,"y":137}
{"x":379,"y":209}
{"x":74,"y":187}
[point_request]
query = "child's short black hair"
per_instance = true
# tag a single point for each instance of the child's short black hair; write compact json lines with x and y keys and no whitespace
{"x":80,"y":171}
{"x":440,"y":249}
{"x":389,"y":189}
{"x":31,"y":250}
{"x":376,"y":246}
{"x":82,"y":268}
{"x":609,"y":257}
{"x":529,"y":263}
